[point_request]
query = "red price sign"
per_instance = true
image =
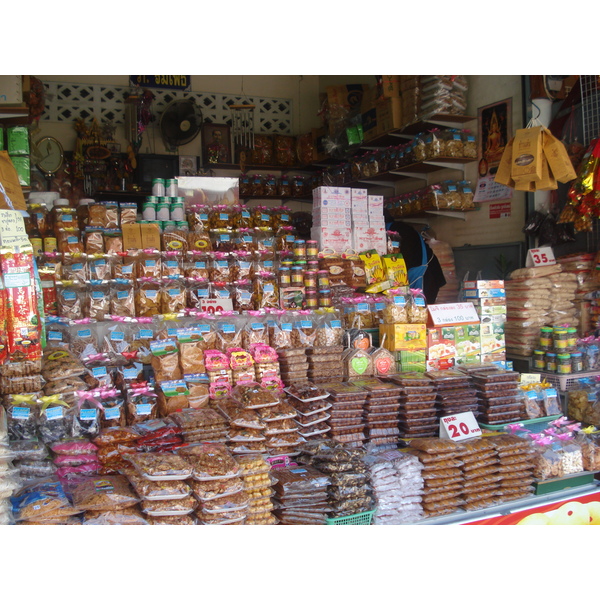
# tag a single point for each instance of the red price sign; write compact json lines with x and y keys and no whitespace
{"x":214,"y":305}
{"x":459,"y":427}
{"x":540,"y":257}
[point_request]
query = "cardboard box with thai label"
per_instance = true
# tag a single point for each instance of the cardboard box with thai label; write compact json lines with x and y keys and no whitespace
{"x":486,"y":293}
{"x":400,"y":336}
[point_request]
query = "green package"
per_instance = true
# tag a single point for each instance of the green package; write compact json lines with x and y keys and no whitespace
{"x":17,"y":140}
{"x":22,"y":166}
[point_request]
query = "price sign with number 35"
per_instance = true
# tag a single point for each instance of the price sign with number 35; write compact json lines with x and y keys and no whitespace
{"x":540,"y":257}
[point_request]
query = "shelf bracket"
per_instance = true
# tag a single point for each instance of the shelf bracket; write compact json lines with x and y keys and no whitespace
{"x":389,"y":184}
{"x":443,"y":165}
{"x":448,"y":213}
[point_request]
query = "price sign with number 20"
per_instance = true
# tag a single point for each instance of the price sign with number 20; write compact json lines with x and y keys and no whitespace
{"x":459,"y":427}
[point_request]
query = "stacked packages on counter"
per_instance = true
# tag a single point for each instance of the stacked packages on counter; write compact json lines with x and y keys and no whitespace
{"x":301,"y":495}
{"x":397,"y":485}
{"x":536,"y":297}
{"x":349,"y":492}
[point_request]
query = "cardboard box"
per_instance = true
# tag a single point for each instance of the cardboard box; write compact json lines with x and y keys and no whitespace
{"x":375,"y":202}
{"x":467,"y":340}
{"x":494,"y":318}
{"x":390,"y":86}
{"x":403,"y":336}
{"x":481,"y":302}
{"x":491,"y":293}
{"x":150,"y":236}
{"x":441,"y":365}
{"x":389,"y":114}
{"x":369,"y":238}
{"x":527,"y":155}
{"x":440,"y":343}
{"x":332,"y":196}
{"x":484,"y":284}
{"x":558,"y":158}
{"x":132,"y":236}
{"x":359,"y":196}
{"x":489,"y":358}
{"x":335,"y":238}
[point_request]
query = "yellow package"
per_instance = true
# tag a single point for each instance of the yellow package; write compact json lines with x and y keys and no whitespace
{"x":395,"y":269}
{"x":373,"y":266}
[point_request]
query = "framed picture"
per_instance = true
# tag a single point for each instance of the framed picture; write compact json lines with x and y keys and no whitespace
{"x":188,"y":166}
{"x":216,"y":144}
{"x":114,"y":147}
{"x":494,"y":132}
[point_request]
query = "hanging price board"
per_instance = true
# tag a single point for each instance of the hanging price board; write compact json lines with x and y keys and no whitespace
{"x":462,"y":426}
{"x":540,"y":257}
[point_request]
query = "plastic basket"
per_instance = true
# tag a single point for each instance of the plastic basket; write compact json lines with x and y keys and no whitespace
{"x":363,"y":518}
{"x":534,"y":425}
{"x":563,"y":382}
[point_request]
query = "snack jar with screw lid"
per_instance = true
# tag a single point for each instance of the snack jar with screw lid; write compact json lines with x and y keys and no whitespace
{"x":576,"y":362}
{"x":563,"y":364}
{"x":551,"y":362}
{"x":546,"y":337}
{"x":312,"y":248}
{"x":538,"y":359}
{"x":571,"y":337}
{"x":560,"y":338}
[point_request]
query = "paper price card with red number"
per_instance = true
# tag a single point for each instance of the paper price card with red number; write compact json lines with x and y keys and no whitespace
{"x":540,"y":257}
{"x":462,"y":426}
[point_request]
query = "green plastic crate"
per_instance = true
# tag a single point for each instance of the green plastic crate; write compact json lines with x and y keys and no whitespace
{"x":363,"y":518}
{"x":534,"y":425}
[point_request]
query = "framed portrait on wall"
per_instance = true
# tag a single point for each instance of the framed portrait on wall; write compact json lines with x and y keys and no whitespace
{"x":216,"y":144}
{"x":494,"y":131}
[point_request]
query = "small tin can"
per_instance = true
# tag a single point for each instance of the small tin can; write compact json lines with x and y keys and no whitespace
{"x":149,"y":211}
{"x":158,"y":187}
{"x":171,"y":187}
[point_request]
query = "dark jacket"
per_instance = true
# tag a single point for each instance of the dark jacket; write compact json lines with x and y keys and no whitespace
{"x":410,"y":246}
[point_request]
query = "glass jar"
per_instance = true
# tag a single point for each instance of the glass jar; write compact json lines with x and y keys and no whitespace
{"x":538,"y":359}
{"x":310,"y":280}
{"x":563,"y":364}
{"x":324,"y":298}
{"x":285,"y":277}
{"x":546,"y":340}
{"x":323,"y":279}
{"x":571,"y":337}
{"x":560,"y":336}
{"x":300,"y":249}
{"x":297,"y":276}
{"x":551,"y":364}
{"x":576,"y":362}
{"x":312,"y":249}
{"x":311,"y":300}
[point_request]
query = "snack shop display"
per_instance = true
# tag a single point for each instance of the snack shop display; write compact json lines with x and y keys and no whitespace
{"x":203,"y":364}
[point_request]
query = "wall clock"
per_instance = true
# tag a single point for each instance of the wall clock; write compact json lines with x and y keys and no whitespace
{"x":50,"y":153}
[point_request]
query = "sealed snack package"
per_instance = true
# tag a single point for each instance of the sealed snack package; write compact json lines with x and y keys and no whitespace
{"x":104,"y":493}
{"x":41,"y":498}
{"x":165,"y":360}
{"x":210,"y":462}
{"x":52,"y":422}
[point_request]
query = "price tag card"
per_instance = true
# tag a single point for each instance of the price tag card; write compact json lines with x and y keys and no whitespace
{"x":462,"y":426}
{"x":527,"y":378}
{"x":540,"y":257}
{"x":213,"y":305}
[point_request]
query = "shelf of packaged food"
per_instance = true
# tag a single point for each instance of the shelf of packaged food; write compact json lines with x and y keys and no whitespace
{"x":284,"y":199}
{"x":395,"y":136}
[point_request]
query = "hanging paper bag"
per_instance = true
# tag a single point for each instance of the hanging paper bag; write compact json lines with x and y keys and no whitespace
{"x":11,"y":194}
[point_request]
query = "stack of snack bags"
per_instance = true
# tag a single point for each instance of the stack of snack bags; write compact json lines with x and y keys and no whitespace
{"x":75,"y":459}
{"x":9,"y":481}
{"x":529,"y":305}
{"x":480,"y":472}
{"x":301,"y":495}
{"x":498,"y":393}
{"x":311,"y":405}
{"x":515,"y":466}
{"x":45,"y":502}
{"x":443,"y":251}
{"x":257,"y":485}
{"x":442,"y":94}
{"x":397,"y":486}
{"x":280,"y":432}
{"x":381,"y":414}
{"x":442,"y":475}
{"x":293,"y":364}
{"x":112,"y":444}
{"x":349,"y":492}
{"x":107,"y":500}
{"x":325,"y":356}
{"x":216,"y":484}
{"x":418,"y":412}
{"x":455,"y":393}
{"x":200,"y":425}
{"x":347,"y":411}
